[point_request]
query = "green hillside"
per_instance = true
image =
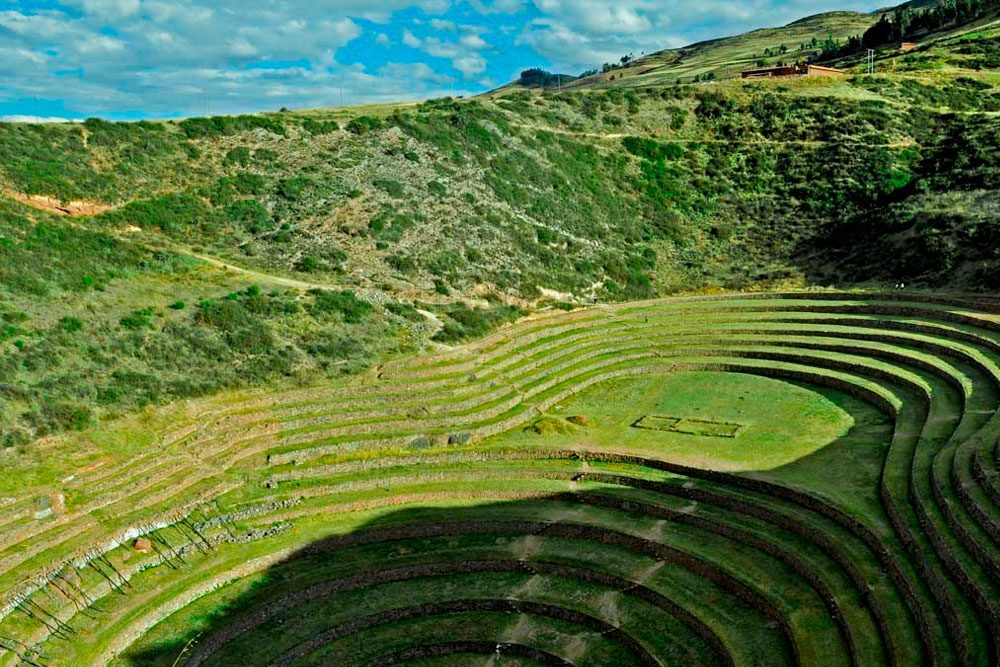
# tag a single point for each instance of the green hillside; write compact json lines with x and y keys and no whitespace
{"x":474,"y":209}
{"x":827,"y":38}
{"x":629,"y":372}
{"x":728,"y":56}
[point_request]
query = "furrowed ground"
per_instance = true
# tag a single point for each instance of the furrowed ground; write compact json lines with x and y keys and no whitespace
{"x":566,"y":489}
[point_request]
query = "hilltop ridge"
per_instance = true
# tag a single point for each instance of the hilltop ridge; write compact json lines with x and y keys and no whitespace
{"x":811,"y":38}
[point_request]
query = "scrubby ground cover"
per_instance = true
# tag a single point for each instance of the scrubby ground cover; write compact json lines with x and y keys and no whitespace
{"x":610,"y":193}
{"x":454,"y":217}
{"x":413,"y":514}
{"x":94,"y":325}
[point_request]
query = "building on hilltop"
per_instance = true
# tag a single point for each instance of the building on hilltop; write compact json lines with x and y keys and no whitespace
{"x":792,"y":70}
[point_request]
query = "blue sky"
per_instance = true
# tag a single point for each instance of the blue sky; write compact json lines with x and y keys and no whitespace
{"x":128,"y":59}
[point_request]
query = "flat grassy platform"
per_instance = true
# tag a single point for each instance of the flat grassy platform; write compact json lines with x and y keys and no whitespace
{"x":779,"y":422}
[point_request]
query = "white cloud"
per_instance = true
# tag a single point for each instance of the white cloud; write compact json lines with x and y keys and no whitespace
{"x":469,"y":65}
{"x":242,"y":47}
{"x":411,"y":40}
{"x":22,"y":57}
{"x":498,"y":6}
{"x":441,"y":49}
{"x":580,"y":33}
{"x":14,"y":118}
{"x":178,"y":11}
{"x":473,"y":42}
{"x":165,"y":56}
{"x":602,"y":17}
{"x":106,"y":9}
{"x":463,"y":54}
{"x":98,"y":44}
{"x":39,"y":26}
{"x":415,"y":71}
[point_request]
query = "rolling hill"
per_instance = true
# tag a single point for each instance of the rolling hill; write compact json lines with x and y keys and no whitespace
{"x":470,"y":211}
{"x":807,"y":39}
{"x":728,"y":56}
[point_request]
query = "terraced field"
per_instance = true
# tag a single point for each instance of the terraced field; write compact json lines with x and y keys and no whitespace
{"x":761,"y":480}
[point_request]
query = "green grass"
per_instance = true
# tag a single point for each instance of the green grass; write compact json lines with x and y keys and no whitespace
{"x":727,"y":57}
{"x":229,"y":354}
{"x":845,"y":404}
{"x":781,"y":422}
{"x":617,"y":193}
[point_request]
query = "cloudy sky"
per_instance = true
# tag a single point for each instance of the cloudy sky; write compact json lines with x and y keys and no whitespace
{"x":126,"y":59}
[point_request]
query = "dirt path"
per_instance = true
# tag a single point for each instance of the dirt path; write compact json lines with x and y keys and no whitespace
{"x":436,"y":323}
{"x":617,"y":136}
{"x":260,"y":276}
{"x":53,"y":205}
{"x":75,"y":209}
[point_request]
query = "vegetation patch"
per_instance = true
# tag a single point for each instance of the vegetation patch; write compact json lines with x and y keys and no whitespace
{"x":549,"y":426}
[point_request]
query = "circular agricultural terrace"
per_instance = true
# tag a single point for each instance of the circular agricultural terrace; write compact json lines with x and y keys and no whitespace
{"x":769,"y":480}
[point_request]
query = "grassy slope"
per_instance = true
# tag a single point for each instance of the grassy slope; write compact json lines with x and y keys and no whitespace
{"x":799,"y":41}
{"x":94,"y":325}
{"x":728,"y":56}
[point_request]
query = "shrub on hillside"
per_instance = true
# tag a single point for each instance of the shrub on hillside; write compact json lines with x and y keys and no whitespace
{"x":404,"y":310}
{"x":54,"y":416}
{"x":337,"y":350}
{"x":365,"y":124}
{"x":447,"y":263}
{"x":237,"y":156}
{"x":138,"y":319}
{"x":174,"y":212}
{"x":650,"y":149}
{"x":464,"y":323}
{"x":293,"y":189}
{"x":251,"y":215}
{"x":437,"y":188}
{"x":243,"y":330}
{"x":402,"y":263}
{"x":70,"y":324}
{"x":345,"y":303}
{"x":390,"y":225}
{"x":308,"y":264}
{"x":224,"y":126}
{"x":714,"y":106}
{"x":393,"y":188}
{"x":316,"y":127}
{"x":265,"y":156}
{"x":14,"y":438}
